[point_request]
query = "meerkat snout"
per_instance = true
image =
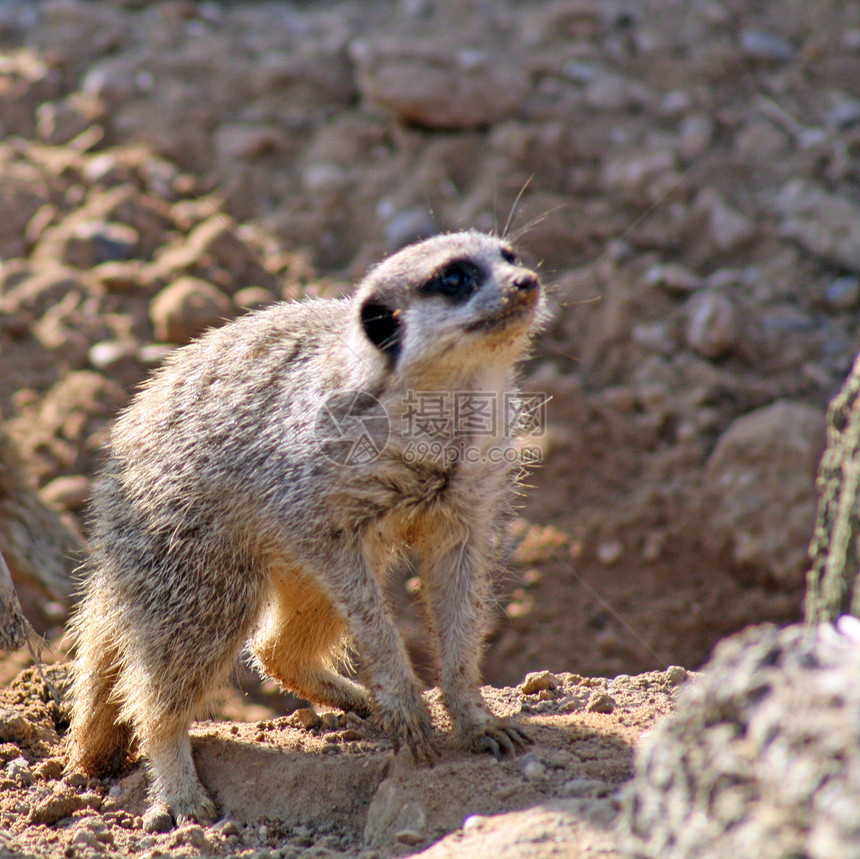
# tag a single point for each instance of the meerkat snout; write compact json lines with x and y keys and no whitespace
{"x":262,"y":483}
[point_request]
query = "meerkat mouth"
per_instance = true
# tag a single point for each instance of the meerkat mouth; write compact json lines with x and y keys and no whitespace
{"x":516,"y":307}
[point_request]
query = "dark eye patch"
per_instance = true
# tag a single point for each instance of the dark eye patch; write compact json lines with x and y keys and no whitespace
{"x":458,"y":281}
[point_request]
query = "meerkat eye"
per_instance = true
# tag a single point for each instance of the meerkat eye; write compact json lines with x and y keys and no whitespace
{"x":510,"y":255}
{"x":458,"y":281}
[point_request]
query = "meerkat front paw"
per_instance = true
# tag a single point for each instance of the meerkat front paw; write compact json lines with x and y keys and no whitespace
{"x":410,"y":725}
{"x":497,"y":738}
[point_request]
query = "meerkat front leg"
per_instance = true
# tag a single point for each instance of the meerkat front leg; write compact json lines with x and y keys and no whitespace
{"x":355,"y":589}
{"x":456,"y":590}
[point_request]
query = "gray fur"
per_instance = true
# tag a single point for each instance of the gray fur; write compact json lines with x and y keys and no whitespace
{"x":218,"y":521}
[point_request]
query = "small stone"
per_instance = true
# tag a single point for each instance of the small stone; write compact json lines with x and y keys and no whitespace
{"x":49,"y":769}
{"x":404,"y":228}
{"x":95,"y":242}
{"x":730,"y":229}
{"x":186,"y":308}
{"x":305,"y":717}
{"x":609,"y":552}
{"x":711,"y":326}
{"x":157,"y":821}
{"x":673,"y":278}
{"x":409,"y":836}
{"x":601,"y":702}
{"x":473,"y":823}
{"x":85,"y":838}
{"x":115,"y":791}
{"x":537,"y":681}
{"x":75,"y":780}
{"x":766,"y":47}
{"x":237,"y":140}
{"x":583,"y":787}
{"x":19,"y":770}
{"x":695,"y":135}
{"x":330,"y":721}
{"x":69,"y":492}
{"x":226,"y":827}
{"x":844,"y":114}
{"x":676,"y":675}
{"x":533,"y":767}
{"x":253,"y":298}
{"x":107,"y":353}
{"x":842,"y":293}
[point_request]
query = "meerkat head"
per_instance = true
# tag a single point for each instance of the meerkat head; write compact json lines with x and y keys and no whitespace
{"x":462,"y":299}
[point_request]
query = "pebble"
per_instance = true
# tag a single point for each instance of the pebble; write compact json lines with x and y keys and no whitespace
{"x":537,"y":681}
{"x":304,"y":717}
{"x":69,"y":492}
{"x":842,"y":293}
{"x":583,"y":787}
{"x":253,"y":298}
{"x":676,"y":675}
{"x":765,"y":46}
{"x":601,"y":702}
{"x":844,"y":113}
{"x":730,"y":229}
{"x":609,"y":552}
{"x":19,"y":770}
{"x":157,"y":822}
{"x":673,"y":277}
{"x":533,"y":767}
{"x":330,"y":721}
{"x":85,"y":838}
{"x":107,"y":353}
{"x":186,"y":308}
{"x":712,"y":327}
{"x":226,"y":827}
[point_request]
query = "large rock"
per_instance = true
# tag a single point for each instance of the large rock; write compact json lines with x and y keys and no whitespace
{"x":760,"y":485}
{"x":761,"y":756}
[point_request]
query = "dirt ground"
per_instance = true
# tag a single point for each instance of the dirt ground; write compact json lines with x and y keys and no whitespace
{"x":686,"y":177}
{"x":329,"y":786}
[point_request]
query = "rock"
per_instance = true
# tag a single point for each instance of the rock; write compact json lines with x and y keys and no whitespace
{"x":712,"y":327}
{"x":434,"y":84}
{"x":533,"y":768}
{"x":186,"y":308}
{"x":241,"y":140}
{"x":392,"y":816}
{"x":59,"y":122}
{"x":601,"y":702}
{"x":305,"y":718}
{"x":760,"y":757}
{"x":764,"y":46}
{"x":764,"y":462}
{"x":537,"y":681}
{"x":825,"y":224}
{"x":609,"y":552}
{"x":842,"y":293}
{"x":69,"y":492}
{"x":673,"y":277}
{"x":729,"y":228}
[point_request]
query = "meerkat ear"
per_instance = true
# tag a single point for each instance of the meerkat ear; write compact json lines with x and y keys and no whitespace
{"x":382,"y":326}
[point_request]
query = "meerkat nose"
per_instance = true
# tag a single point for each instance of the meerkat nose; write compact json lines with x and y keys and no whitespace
{"x":526,"y":282}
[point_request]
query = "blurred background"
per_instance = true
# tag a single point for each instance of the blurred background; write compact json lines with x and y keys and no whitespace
{"x":685,"y":174}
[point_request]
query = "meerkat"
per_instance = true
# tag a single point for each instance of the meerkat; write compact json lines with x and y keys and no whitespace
{"x":228,"y":515}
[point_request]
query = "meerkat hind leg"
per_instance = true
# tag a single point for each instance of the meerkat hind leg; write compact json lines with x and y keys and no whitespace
{"x":99,"y":740}
{"x":298,"y":644}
